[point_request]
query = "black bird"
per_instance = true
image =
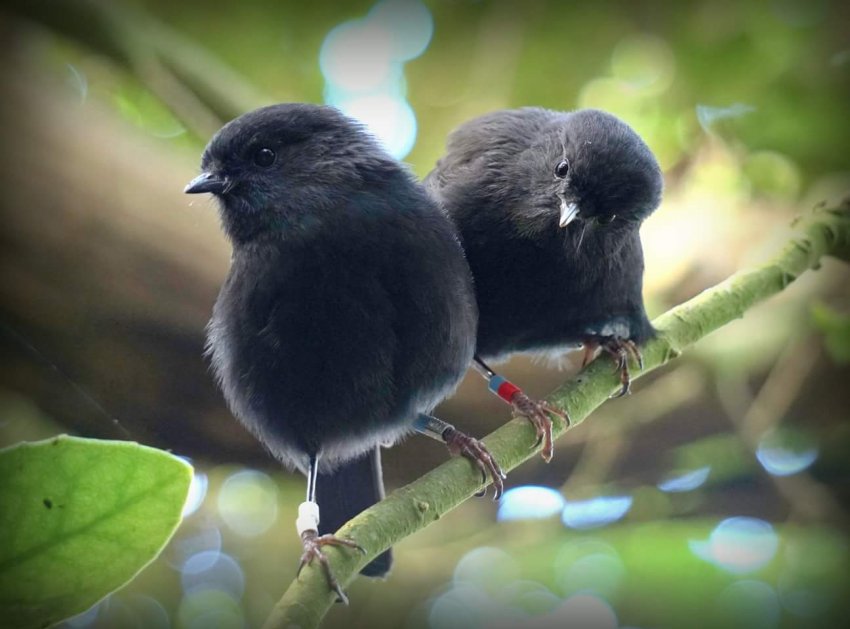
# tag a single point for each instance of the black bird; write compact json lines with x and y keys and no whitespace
{"x":548,"y":205}
{"x":348,"y":310}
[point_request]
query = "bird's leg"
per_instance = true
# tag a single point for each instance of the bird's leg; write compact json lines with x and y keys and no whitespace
{"x":590,"y":345}
{"x":535,"y":411}
{"x":461,"y":444}
{"x":620,"y":350}
{"x":307,"y":525}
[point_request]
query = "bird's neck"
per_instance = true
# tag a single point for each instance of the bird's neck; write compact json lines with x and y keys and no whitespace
{"x":583,"y":238}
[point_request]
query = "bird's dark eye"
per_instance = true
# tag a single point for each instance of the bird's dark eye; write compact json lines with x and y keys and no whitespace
{"x":562,"y":169}
{"x":264,"y":157}
{"x":606,"y":220}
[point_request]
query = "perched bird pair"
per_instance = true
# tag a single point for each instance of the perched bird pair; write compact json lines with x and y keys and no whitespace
{"x":349,"y":310}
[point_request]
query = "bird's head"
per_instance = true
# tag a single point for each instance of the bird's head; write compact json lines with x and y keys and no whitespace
{"x":285,"y":168}
{"x":591,"y":167}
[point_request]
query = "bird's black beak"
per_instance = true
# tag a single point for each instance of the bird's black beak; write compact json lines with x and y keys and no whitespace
{"x":207,"y":182}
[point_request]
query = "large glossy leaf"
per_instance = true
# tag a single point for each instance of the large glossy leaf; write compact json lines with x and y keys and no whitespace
{"x":78,"y":519}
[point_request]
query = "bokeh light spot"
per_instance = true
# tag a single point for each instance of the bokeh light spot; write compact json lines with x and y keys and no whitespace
{"x":582,"y":611}
{"x":751,"y":604}
{"x":357,"y":56}
{"x":88,"y":617}
{"x":530,"y":597}
{"x":814,"y":572}
{"x":209,"y":570}
{"x":117,"y":613}
{"x":529,"y":503}
{"x":466,"y":605}
{"x":601,"y":573}
{"x":188,"y":543}
{"x":686,"y":481}
{"x":805,"y":602}
{"x":486,"y":567}
{"x":390,"y":119}
{"x":612,"y":95}
{"x":409,"y":23}
{"x":588,"y":565}
{"x":362,"y":63}
{"x":197,"y":493}
{"x":645,"y":62}
{"x":148,"y":612}
{"x":247,"y":502}
{"x":595,"y":512}
{"x":738,"y":545}
{"x":784,"y":452}
{"x":210,"y":608}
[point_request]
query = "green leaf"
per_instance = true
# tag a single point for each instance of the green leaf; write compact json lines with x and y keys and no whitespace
{"x":79,"y":518}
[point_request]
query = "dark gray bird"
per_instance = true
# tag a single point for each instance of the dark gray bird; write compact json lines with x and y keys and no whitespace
{"x":548,"y":205}
{"x":348,"y":311}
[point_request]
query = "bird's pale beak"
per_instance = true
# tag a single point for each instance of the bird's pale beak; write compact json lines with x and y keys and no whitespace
{"x":569,"y":211}
{"x":207,"y":182}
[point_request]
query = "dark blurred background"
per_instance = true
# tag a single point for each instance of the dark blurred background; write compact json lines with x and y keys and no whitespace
{"x":715,"y":495}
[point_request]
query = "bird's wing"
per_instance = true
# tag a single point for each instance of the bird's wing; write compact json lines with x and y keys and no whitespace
{"x":486,"y":142}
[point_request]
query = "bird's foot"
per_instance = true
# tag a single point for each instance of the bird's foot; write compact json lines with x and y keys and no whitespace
{"x":461,"y":444}
{"x":537,"y":412}
{"x":313,"y":542}
{"x":620,"y":351}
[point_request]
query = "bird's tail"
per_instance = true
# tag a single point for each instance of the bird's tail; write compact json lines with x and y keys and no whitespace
{"x":347,"y":491}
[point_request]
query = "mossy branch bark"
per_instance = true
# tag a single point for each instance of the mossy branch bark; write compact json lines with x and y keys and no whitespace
{"x":415,"y":506}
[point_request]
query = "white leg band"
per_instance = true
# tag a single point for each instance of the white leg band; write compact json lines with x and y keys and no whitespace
{"x":308,"y":518}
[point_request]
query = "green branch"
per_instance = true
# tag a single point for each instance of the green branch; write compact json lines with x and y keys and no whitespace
{"x":415,"y":506}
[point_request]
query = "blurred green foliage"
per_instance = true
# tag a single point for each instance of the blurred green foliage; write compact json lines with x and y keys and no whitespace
{"x":836,"y":330}
{"x":652,"y":63}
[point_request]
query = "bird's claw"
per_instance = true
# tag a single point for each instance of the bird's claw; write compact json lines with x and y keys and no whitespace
{"x":313,"y":542}
{"x":537,"y":412}
{"x":620,"y":351}
{"x":462,"y":444}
